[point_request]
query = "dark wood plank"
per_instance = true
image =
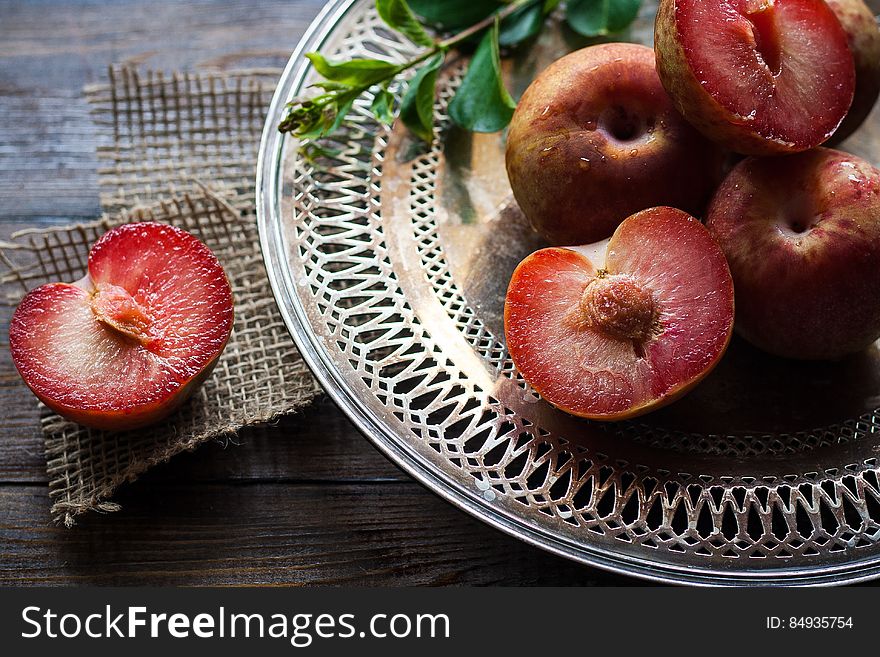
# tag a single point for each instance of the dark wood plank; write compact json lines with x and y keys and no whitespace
{"x":21,"y":443}
{"x":270,"y":534}
{"x":41,"y":174}
{"x":50,"y":49}
{"x":53,"y":45}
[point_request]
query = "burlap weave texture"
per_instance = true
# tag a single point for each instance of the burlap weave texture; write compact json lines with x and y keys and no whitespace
{"x":178,"y":149}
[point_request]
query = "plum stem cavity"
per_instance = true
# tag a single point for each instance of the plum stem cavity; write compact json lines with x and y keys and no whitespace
{"x":117,"y":309}
{"x":620,"y":307}
{"x":621,"y":124}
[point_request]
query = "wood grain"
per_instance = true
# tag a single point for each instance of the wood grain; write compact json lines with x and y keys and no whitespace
{"x":50,"y":49}
{"x":270,"y":534}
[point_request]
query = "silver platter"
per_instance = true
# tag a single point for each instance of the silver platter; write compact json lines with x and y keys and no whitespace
{"x":389,"y":261}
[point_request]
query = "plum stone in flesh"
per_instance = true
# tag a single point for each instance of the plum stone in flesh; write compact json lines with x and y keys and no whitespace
{"x":127,"y":344}
{"x":616,"y":338}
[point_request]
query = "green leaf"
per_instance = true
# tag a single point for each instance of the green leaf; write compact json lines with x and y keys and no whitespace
{"x":621,"y":14}
{"x":313,"y":131}
{"x":382,"y":106}
{"x":598,"y":17}
{"x":521,"y":25}
{"x":328,"y":85}
{"x":454,"y":13}
{"x":316,"y":117}
{"x":354,"y":72}
{"x":398,"y":16}
{"x":482,"y":103}
{"x":305,"y":116}
{"x":314,"y":151}
{"x":417,"y":106}
{"x":343,"y":107}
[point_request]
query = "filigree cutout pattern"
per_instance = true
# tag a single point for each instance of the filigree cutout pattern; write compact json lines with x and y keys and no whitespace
{"x":616,"y":494}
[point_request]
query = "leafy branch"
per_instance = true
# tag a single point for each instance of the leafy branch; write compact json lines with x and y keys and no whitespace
{"x":482,"y":102}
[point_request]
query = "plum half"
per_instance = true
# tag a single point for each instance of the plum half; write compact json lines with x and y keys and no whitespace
{"x":595,"y":138}
{"x":761,"y":77}
{"x":616,"y":329}
{"x":127,"y":344}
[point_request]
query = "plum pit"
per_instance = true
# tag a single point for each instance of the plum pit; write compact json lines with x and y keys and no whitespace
{"x":620,"y":307}
{"x":114,"y":307}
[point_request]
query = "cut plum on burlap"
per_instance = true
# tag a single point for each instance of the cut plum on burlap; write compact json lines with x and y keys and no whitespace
{"x":128,"y":343}
{"x":617,"y":338}
{"x":208,"y":192}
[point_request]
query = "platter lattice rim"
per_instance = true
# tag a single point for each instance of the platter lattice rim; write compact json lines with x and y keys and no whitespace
{"x":482,"y":500}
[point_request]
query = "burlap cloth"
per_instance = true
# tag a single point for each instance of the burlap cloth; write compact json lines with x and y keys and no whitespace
{"x":178,"y":149}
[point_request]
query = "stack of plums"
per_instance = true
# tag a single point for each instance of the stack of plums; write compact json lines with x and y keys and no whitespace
{"x":619,"y":147}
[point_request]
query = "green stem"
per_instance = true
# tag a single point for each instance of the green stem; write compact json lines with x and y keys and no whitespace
{"x":476,"y":28}
{"x":441,"y":46}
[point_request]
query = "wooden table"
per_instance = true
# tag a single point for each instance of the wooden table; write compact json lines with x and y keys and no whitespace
{"x":309,"y":501}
